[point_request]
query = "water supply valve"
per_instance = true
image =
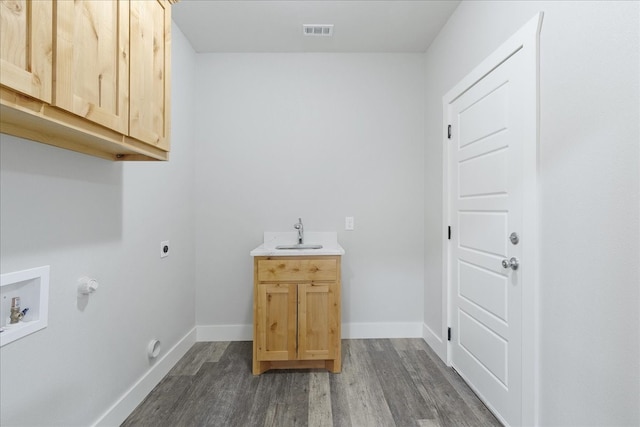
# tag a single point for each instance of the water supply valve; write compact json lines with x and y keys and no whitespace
{"x":87,"y":285}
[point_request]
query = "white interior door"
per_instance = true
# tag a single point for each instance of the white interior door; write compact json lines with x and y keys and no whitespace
{"x":485,"y":156}
{"x":490,"y":203}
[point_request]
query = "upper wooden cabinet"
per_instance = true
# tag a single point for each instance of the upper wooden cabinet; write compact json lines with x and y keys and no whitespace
{"x":88,"y":75}
{"x":26,"y":47}
{"x":150,"y":72}
{"x":92,"y":61}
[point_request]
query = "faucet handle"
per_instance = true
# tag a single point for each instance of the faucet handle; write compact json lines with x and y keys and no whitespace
{"x":300,"y":229}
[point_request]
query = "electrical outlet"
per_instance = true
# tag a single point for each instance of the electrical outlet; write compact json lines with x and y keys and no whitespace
{"x":164,"y":249}
{"x":349,"y":223}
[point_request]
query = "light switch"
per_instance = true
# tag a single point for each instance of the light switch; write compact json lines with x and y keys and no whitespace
{"x":348,"y":223}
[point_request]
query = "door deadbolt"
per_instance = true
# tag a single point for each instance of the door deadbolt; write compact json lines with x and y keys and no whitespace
{"x":514,"y":238}
{"x":512,"y":263}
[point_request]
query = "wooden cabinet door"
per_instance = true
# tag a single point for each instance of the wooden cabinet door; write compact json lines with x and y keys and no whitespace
{"x":26,"y":47}
{"x":92,"y":61}
{"x":318,"y":321}
{"x":276,"y":321}
{"x":150,"y":65}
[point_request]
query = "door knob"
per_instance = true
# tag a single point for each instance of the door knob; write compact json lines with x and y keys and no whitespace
{"x":512,"y":263}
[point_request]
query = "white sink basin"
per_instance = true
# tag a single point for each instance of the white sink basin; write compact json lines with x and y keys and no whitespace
{"x":286,"y":244}
{"x":299,"y":246}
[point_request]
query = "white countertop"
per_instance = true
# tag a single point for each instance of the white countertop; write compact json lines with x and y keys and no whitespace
{"x":328,"y":240}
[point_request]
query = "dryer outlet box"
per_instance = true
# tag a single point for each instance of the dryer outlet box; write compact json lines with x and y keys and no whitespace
{"x":164,"y":249}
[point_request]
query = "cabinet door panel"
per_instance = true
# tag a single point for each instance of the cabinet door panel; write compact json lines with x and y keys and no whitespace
{"x":276,"y":321}
{"x":318,"y":321}
{"x":150,"y":65}
{"x":26,"y":47}
{"x":92,"y":71}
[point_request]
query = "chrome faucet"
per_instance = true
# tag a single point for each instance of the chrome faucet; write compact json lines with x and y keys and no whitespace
{"x":300,"y":229}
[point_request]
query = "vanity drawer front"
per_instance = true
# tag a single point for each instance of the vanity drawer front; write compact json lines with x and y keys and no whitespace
{"x":297,"y":270}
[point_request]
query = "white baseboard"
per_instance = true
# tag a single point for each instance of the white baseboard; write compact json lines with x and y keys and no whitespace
{"x":381,"y":330}
{"x":434,"y":341}
{"x":224,"y":332}
{"x":349,"y":331}
{"x":120,"y":410}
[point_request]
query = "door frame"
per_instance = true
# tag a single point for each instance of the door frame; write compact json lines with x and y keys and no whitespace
{"x":526,"y":42}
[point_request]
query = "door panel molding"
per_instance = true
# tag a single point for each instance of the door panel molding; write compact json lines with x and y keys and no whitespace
{"x":525,"y":42}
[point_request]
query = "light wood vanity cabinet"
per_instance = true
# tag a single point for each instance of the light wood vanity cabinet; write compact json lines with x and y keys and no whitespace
{"x":88,"y":75}
{"x":296,"y":313}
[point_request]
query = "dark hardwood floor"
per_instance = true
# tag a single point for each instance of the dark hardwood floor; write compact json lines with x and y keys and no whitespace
{"x":384,"y":382}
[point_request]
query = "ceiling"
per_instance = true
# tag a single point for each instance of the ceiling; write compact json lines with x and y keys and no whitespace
{"x":276,"y":26}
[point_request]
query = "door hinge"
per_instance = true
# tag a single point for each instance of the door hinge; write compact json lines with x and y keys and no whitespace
{"x":449,"y":132}
{"x":449,"y":233}
{"x":449,"y":334}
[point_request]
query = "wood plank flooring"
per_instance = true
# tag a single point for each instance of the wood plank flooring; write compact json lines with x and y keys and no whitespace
{"x":384,"y":383}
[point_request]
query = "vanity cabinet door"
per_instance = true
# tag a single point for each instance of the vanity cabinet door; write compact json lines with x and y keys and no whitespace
{"x":92,"y":61}
{"x":276,"y":307}
{"x":318,"y":328}
{"x":26,"y":47}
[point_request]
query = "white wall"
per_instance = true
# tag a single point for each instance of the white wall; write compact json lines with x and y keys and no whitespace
{"x":87,"y":216}
{"x":589,"y":195}
{"x":317,"y":136}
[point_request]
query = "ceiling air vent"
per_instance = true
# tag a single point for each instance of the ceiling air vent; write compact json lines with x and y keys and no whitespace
{"x":317,"y":30}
